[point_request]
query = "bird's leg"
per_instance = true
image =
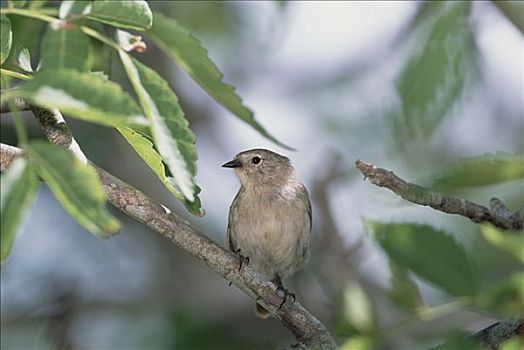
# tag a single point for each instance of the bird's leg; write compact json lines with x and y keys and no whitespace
{"x":242,"y":259}
{"x":286,"y":293}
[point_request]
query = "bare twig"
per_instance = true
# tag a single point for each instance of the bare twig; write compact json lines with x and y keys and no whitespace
{"x":306,"y":328}
{"x":498,"y":215}
{"x":493,"y":336}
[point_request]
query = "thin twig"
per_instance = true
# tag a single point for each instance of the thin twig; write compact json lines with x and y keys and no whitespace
{"x":498,"y":215}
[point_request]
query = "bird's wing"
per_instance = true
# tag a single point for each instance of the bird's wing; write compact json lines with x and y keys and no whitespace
{"x":230,"y":240}
{"x":303,"y":194}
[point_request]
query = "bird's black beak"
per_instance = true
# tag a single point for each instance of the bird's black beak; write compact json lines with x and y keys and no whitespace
{"x":232,"y":164}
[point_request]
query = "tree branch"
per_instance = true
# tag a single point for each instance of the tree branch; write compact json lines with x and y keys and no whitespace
{"x":498,"y":214}
{"x":306,"y":328}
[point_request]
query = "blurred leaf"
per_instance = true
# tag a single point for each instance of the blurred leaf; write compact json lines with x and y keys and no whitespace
{"x":480,"y":171}
{"x":82,"y":96}
{"x":359,"y":343}
{"x":70,"y":9}
{"x":513,"y":344}
{"x":170,"y":129}
{"x":506,"y":297}
{"x":510,"y":241}
{"x":358,"y":309}
{"x":19,"y":185}
{"x":18,"y":3}
{"x":513,"y":10}
{"x":404,"y":291}
{"x":75,"y":185}
{"x":24,"y":60}
{"x":27,"y":34}
{"x":65,"y":47}
{"x":435,"y":75}
{"x":188,"y":52}
{"x":132,"y":14}
{"x":35,"y":5}
{"x":146,"y":151}
{"x":6,"y":37}
{"x":431,"y":254}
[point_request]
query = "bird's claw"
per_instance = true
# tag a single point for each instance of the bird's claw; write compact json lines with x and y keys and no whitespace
{"x":287,"y":296}
{"x":242,"y":259}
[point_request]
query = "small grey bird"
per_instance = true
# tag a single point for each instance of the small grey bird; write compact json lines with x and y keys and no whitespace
{"x":270,"y":217}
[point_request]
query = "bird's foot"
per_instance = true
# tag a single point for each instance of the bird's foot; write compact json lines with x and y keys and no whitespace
{"x":242,"y":259}
{"x":286,"y":295}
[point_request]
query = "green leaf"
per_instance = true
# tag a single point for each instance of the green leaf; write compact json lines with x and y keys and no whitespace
{"x":404,"y":291}
{"x":510,"y":241}
{"x":436,"y":74}
{"x":18,"y":3}
{"x":170,"y":129}
{"x":75,"y":185}
{"x":35,"y":5}
{"x":19,"y":185}
{"x":144,"y":148}
{"x":505,"y":297}
{"x":358,"y":309}
{"x":133,"y":14}
{"x":69,"y":9}
{"x":479,"y":171}
{"x":83,"y":96}
{"x":65,"y":46}
{"x":430,"y":253}
{"x":6,"y":37}
{"x":359,"y":343}
{"x":188,"y":52}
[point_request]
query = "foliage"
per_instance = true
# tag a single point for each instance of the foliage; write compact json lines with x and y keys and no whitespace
{"x":73,"y":45}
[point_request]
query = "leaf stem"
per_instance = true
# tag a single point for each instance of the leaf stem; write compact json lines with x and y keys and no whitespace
{"x":28,"y":13}
{"x":15,"y":74}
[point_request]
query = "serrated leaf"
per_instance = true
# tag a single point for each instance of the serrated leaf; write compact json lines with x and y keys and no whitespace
{"x":430,"y":253}
{"x":404,"y":291}
{"x":82,"y":96}
{"x":133,"y":14}
{"x":436,"y":74}
{"x":480,"y":171}
{"x":75,"y":185}
{"x":65,"y":46}
{"x":188,"y":52}
{"x":19,"y":185}
{"x":510,"y":241}
{"x":24,"y":60}
{"x":144,"y":148}
{"x":6,"y":37}
{"x":171,"y":134}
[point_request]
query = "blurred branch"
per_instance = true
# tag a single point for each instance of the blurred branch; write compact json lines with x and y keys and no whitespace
{"x":513,"y":11}
{"x":306,"y":328}
{"x":498,"y":214}
{"x":491,"y":337}
{"x":494,"y":335}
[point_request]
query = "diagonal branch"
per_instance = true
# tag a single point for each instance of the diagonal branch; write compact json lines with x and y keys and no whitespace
{"x":306,"y":328}
{"x":498,"y":214}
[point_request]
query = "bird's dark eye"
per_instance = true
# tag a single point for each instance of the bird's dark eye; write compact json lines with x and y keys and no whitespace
{"x":256,"y":160}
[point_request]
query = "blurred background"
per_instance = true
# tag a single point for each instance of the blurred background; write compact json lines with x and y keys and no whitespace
{"x":410,"y":86}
